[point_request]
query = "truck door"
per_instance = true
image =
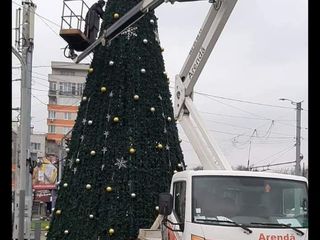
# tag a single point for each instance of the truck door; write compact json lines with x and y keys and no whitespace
{"x":179,"y":207}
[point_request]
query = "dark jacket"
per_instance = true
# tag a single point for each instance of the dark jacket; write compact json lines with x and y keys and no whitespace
{"x":92,"y":20}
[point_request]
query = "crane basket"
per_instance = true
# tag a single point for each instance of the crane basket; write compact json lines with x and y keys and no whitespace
{"x":72,"y":22}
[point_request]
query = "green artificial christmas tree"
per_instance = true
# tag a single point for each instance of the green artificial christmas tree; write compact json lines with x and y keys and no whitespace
{"x":125,"y":146}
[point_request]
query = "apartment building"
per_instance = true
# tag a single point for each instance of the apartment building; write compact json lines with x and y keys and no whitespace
{"x":66,"y":84}
{"x":38,"y":142}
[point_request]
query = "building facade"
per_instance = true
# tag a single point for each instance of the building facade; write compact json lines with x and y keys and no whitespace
{"x":38,"y":148}
{"x":66,"y":84}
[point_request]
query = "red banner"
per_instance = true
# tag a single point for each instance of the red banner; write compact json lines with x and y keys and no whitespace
{"x":42,"y":195}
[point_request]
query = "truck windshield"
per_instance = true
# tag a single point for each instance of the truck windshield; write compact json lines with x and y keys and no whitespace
{"x":249,"y":201}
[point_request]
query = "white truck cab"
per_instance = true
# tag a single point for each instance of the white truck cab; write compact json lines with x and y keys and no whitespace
{"x":234,"y":205}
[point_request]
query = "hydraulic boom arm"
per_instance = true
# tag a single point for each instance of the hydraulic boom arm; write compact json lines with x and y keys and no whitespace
{"x":208,"y":151}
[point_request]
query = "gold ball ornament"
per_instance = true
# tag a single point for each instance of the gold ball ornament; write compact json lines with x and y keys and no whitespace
{"x":109,"y":189}
{"x":66,"y":231}
{"x":111,"y":231}
{"x":92,"y":153}
{"x":91,"y":216}
{"x":143,"y":70}
{"x":58,"y":212}
{"x":151,"y":21}
{"x":169,"y":119}
{"x":111,"y":63}
{"x":133,"y":195}
{"x":116,"y":15}
{"x":145,"y":41}
{"x":77,"y":160}
{"x":90,"y":70}
{"x":132,"y":150}
{"x":157,"y":208}
{"x":88,"y":186}
{"x":90,"y":122}
{"x":136,"y":97}
{"x":84,"y":98}
{"x":47,"y":227}
{"x":152,"y":109}
{"x":160,"y":146}
{"x":103,"y":89}
{"x":65,"y":185}
{"x":116,"y":119}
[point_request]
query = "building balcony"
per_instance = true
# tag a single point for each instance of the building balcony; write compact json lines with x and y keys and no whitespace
{"x":53,"y":92}
{"x":60,"y":122}
{"x":70,"y":93}
{"x":62,"y":108}
{"x":55,"y":136}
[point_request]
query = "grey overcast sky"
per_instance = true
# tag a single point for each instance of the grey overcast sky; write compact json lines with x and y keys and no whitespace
{"x":261,"y":56}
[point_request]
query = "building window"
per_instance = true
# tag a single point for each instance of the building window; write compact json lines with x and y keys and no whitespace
{"x":53,"y":86}
{"x":53,"y":100}
{"x":51,"y":129}
{"x":68,"y":88}
{"x":73,"y":88}
{"x":67,"y":115}
{"x":80,"y":87}
{"x":35,"y":146}
{"x":61,"y":88}
{"x":52,"y":114}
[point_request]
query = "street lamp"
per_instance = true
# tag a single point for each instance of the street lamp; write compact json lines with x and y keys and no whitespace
{"x":292,"y":102}
{"x":298,"y":133}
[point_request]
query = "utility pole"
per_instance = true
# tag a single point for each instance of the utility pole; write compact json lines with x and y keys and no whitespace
{"x":23,"y":203}
{"x":298,"y":140}
{"x":299,"y":156}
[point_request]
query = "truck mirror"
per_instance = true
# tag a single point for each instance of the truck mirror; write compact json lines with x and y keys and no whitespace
{"x":165,"y":203}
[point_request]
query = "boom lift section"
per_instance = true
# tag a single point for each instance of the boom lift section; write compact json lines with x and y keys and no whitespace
{"x":208,"y":151}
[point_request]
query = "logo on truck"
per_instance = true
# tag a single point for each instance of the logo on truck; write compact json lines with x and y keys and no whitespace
{"x":197,"y":62}
{"x":276,"y":237}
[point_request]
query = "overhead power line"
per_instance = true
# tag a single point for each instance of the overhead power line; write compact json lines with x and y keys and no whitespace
{"x":243,"y":101}
{"x":39,"y":15}
{"x":277,"y":153}
{"x":39,"y":100}
{"x":270,"y":165}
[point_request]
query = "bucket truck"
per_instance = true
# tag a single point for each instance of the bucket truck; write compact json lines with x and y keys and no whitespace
{"x":217,"y":203}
